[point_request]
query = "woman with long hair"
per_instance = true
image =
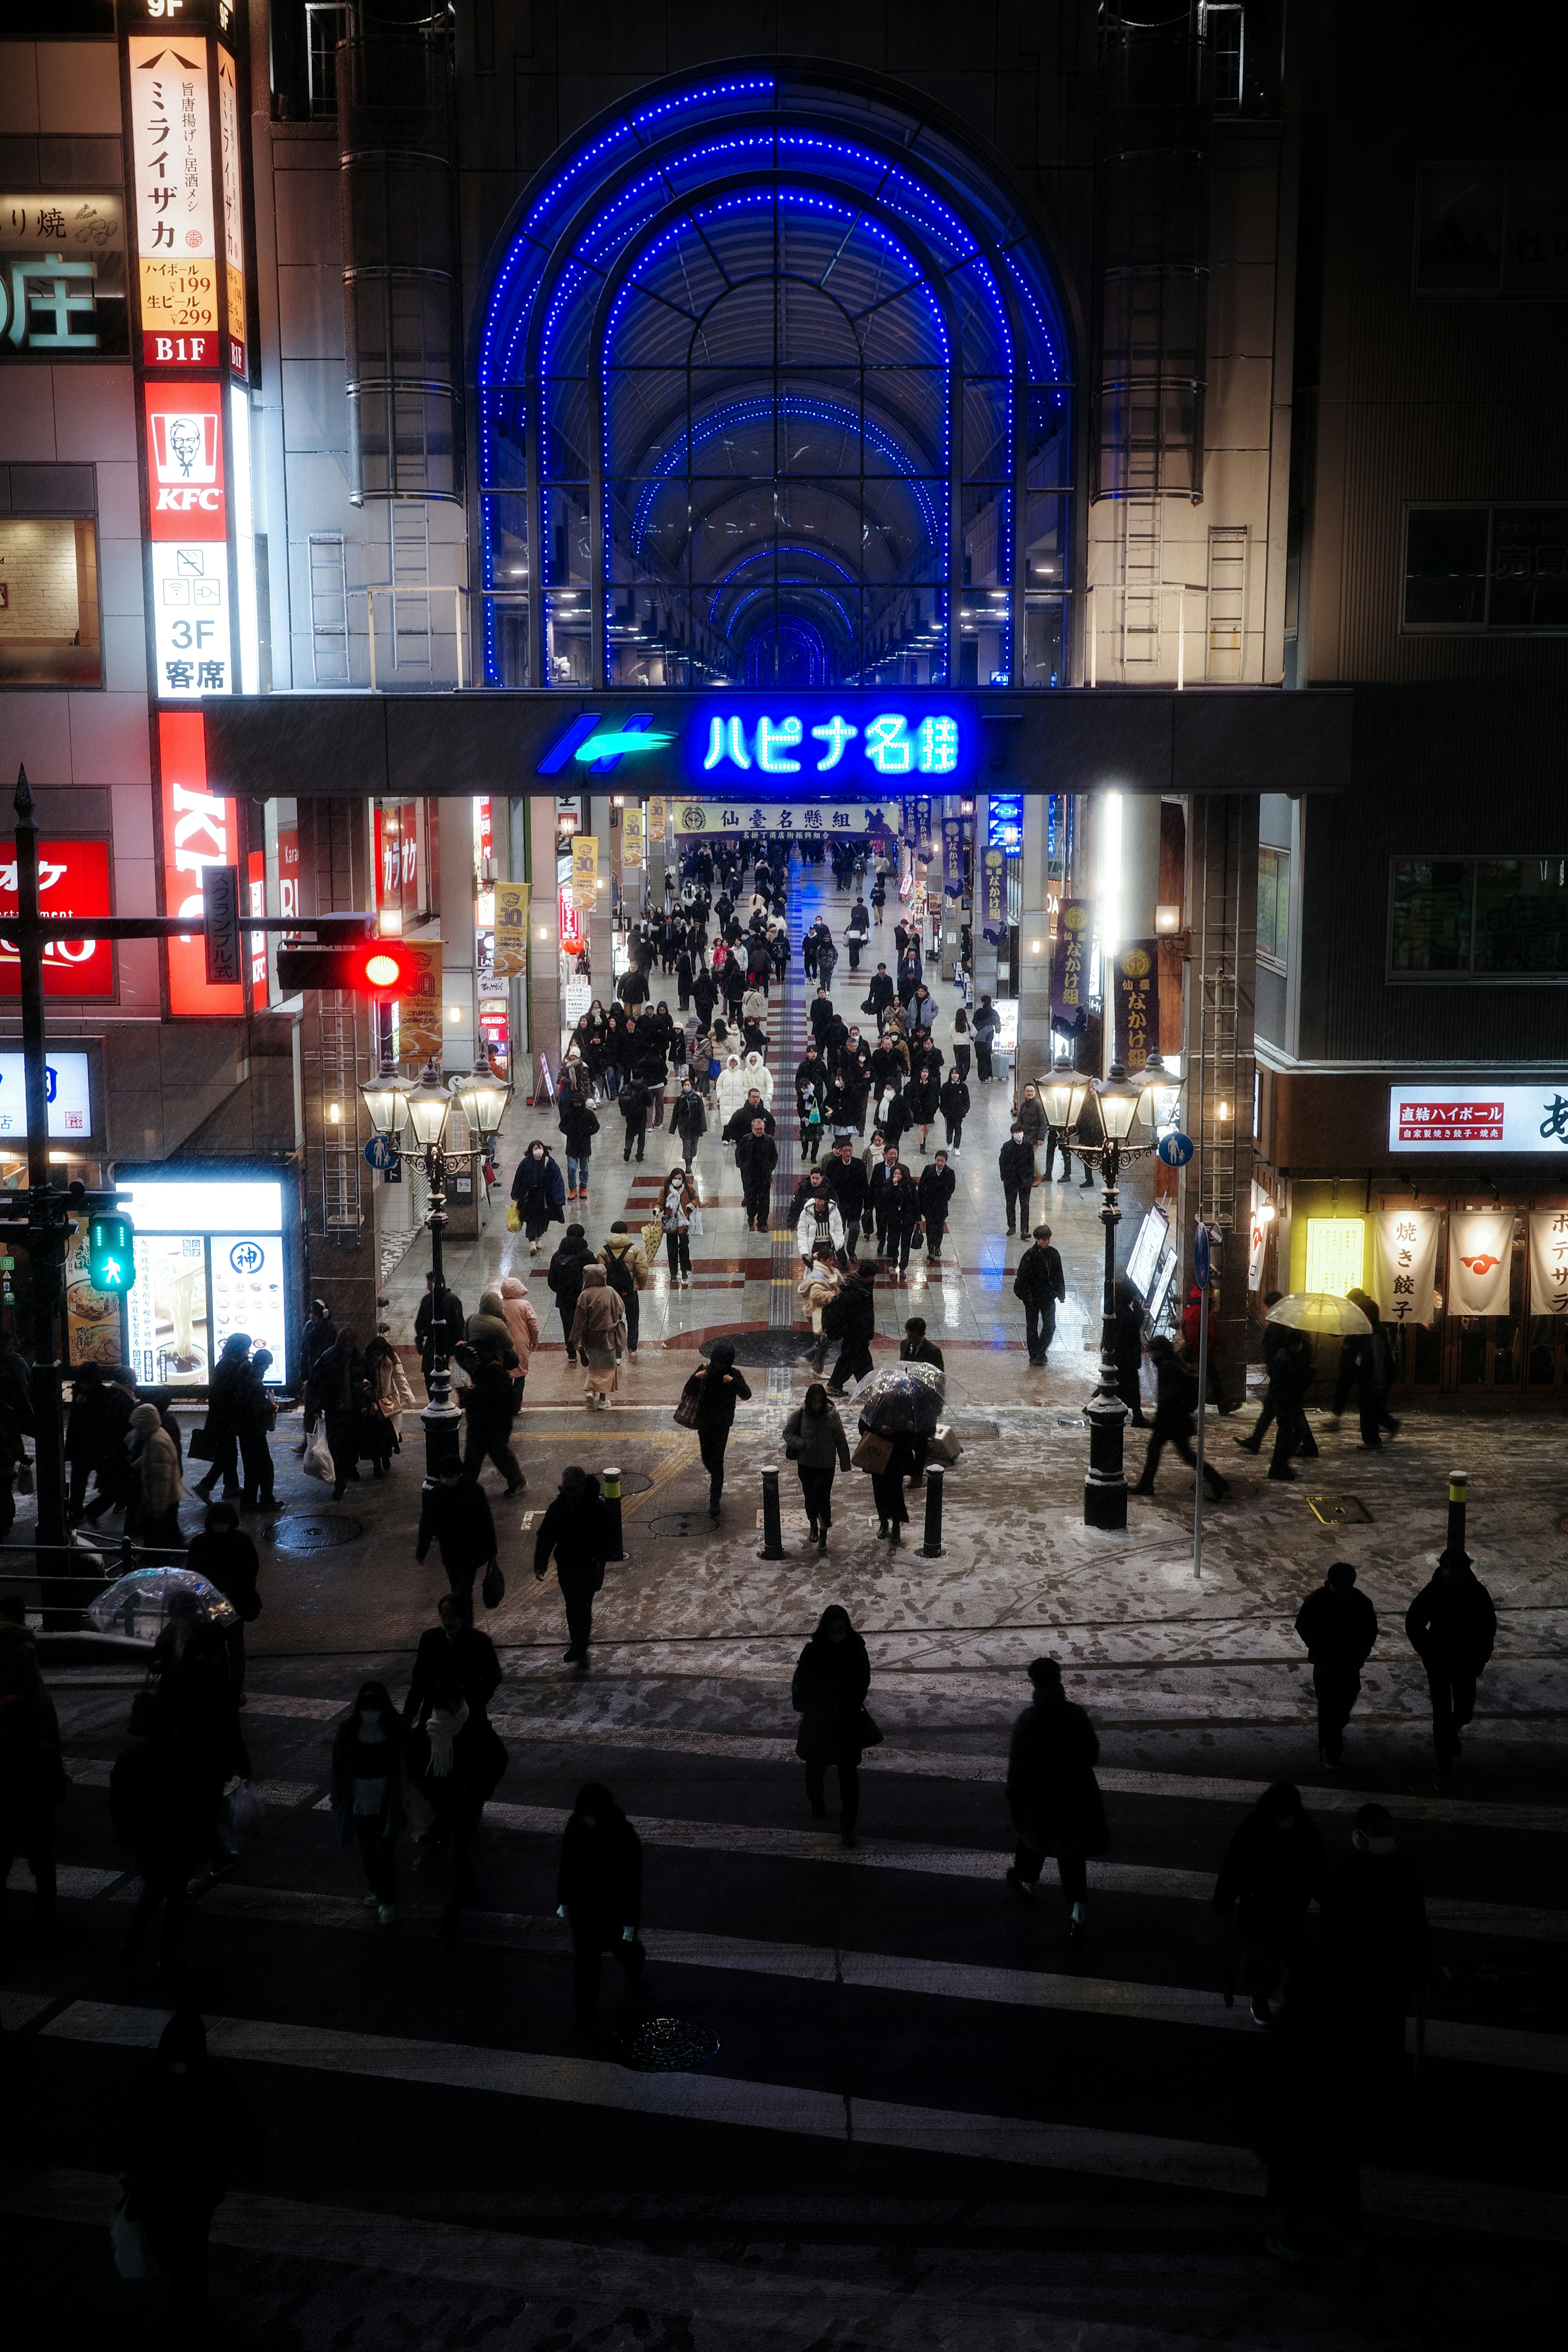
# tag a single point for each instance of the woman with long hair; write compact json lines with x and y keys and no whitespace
{"x":680,"y":1202}
{"x":814,"y":1441}
{"x":828,"y":1693}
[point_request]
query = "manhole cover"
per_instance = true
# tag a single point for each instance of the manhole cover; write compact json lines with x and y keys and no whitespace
{"x":1563,"y":1525}
{"x":1339,"y":1510}
{"x":316,"y":1533}
{"x":635,"y":1482}
{"x":759,"y":1347}
{"x":665,"y":2045}
{"x":678,"y":1524}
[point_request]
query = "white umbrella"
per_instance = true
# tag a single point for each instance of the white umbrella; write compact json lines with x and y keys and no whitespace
{"x":1320,"y":1312}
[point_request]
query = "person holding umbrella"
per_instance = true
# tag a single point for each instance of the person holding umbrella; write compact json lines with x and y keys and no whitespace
{"x":900,"y":1409}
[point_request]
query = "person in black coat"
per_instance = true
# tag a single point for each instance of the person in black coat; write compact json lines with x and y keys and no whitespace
{"x":1292,"y":1374}
{"x":1339,"y":1626}
{"x":935,"y":1194}
{"x":832,"y":1678}
{"x":184,"y":2129}
{"x":489,"y":1408}
{"x":1452,"y":1626}
{"x":452,"y":1648}
{"x":228,"y":1404}
{"x":566,"y":1279}
{"x":455,"y":1516}
{"x":851,"y":1319}
{"x":575,"y":1529}
{"x":901,"y":1205}
{"x":687,"y":1120}
{"x":1053,"y":1796}
{"x":424,"y":1316}
{"x":95,"y":1433}
{"x":634,"y":1104}
{"x":1016,"y":1166}
{"x":844,"y":1173}
{"x":954,"y":1100}
{"x":1131,"y":1319}
{"x":458,"y":1759}
{"x":1274,"y":1870}
{"x":1276,"y":1341}
{"x":1173,"y":1422}
{"x":715,"y":1389}
{"x":757,"y":1157}
{"x":1040,"y":1285}
{"x":341,"y":1390}
{"x":599,"y":1894}
{"x":1375,"y":1950}
{"x":226,"y":1556}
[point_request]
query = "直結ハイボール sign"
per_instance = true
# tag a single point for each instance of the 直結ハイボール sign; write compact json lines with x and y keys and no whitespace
{"x":1449,"y":1115}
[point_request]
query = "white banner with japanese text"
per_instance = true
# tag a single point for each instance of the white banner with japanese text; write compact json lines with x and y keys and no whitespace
{"x":1404,"y":1263}
{"x":1549,"y":1261}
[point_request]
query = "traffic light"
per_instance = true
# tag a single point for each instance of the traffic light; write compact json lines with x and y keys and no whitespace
{"x":378,"y":968}
{"x":110,"y":1254}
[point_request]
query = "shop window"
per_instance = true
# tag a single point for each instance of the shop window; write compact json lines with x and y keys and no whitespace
{"x":1486,"y":568}
{"x":1492,"y":229}
{"x":1485,"y":918}
{"x":48,"y":601}
{"x":1274,"y":906}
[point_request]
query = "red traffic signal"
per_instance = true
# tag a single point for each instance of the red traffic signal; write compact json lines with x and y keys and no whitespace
{"x":378,"y":968}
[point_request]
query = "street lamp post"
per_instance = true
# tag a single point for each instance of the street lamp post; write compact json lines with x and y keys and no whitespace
{"x":425,"y":1110}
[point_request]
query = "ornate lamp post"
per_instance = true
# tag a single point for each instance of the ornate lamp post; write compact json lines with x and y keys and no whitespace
{"x":424,"y":1110}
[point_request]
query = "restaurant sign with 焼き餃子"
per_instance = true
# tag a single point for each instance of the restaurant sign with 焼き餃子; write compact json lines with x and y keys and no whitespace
{"x":1450,"y":1115}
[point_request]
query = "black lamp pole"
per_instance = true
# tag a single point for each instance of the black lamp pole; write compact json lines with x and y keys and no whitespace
{"x":440,"y":1417}
{"x":1105,"y":1483}
{"x":48,"y":1217}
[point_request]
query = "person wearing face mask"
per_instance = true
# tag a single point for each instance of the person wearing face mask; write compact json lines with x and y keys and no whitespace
{"x":814,"y":1441}
{"x":598,"y":1892}
{"x":459,"y":1760}
{"x":374,"y":1798}
{"x":1274,"y":1871}
{"x":832,"y":1678}
{"x":184,"y":2128}
{"x":538,"y":1193}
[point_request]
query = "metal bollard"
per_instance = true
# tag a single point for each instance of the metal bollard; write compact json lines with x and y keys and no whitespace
{"x":932,"y":1547}
{"x":1458,"y":1493}
{"x":612,"y":1494}
{"x":772,"y":1526}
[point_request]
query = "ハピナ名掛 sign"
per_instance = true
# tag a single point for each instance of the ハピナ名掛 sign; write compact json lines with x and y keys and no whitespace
{"x":1462,"y":1115}
{"x":745,"y":744}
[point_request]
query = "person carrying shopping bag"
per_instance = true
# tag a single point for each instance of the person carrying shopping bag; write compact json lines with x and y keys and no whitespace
{"x":680,"y":1216}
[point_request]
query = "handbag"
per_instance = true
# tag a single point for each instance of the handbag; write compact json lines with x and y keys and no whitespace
{"x":318,"y":1461}
{"x":685,"y":1415}
{"x":873,"y":1454}
{"x":514,"y":1220}
{"x":241,"y":1816}
{"x":24,"y":1477}
{"x":493,"y":1592}
{"x":199,"y":1445}
{"x":128,"y":2240}
{"x":866,"y":1731}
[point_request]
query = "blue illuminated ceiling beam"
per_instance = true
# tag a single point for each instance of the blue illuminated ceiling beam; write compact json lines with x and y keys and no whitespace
{"x":806,"y":409}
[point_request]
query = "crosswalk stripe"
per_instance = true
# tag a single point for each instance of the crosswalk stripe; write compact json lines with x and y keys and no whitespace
{"x":1178,"y":2005}
{"x":93,"y":1772}
{"x":732,"y":2102}
{"x":78,"y":1885}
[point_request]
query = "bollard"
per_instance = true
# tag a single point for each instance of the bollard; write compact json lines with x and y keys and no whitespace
{"x":772,"y":1526}
{"x":612,"y":1494}
{"x":1458,"y":1493}
{"x":932,"y":1547}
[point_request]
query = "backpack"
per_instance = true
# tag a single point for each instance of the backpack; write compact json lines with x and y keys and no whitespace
{"x":619,"y":1274}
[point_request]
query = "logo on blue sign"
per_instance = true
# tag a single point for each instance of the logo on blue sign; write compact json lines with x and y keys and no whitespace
{"x":246,"y":1257}
{"x":809,"y":740}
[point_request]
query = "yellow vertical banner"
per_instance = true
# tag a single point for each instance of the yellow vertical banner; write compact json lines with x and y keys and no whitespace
{"x":419,"y":1011}
{"x":631,"y":839}
{"x":512,"y":930}
{"x":584,"y":869}
{"x":657,"y":818}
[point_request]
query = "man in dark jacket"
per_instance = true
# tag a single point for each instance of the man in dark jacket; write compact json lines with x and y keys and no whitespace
{"x":1274,"y":1870}
{"x":1375,"y":1950}
{"x":425,"y":1315}
{"x":579,"y":1125}
{"x":935,"y":1191}
{"x":954,"y":1100}
{"x":740,"y":1125}
{"x":95,"y":1433}
{"x":599,"y":1894}
{"x":226,"y":1556}
{"x":687,"y":1120}
{"x":1291,"y":1376}
{"x":1039,"y":1283}
{"x":455,"y":1516}
{"x":851,"y":1319}
{"x":1175,"y":1396}
{"x":1339,"y":1626}
{"x":1052,"y":1794}
{"x":452,"y":1647}
{"x":634,"y":1105}
{"x":1016,"y":1166}
{"x":1276,"y":1340}
{"x":845,"y":1176}
{"x":566,"y":1279}
{"x":882,"y":992}
{"x":757,"y":1157}
{"x":576,"y":1529}
{"x":1451,"y":1625}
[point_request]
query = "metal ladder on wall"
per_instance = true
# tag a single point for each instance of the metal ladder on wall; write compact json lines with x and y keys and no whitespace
{"x":408,"y":536}
{"x":328,"y":608}
{"x":337,"y":1055}
{"x":1143,"y":560}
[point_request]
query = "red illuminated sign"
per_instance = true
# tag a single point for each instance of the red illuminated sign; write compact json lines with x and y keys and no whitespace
{"x":571,"y":916}
{"x":185,"y":461}
{"x":73,"y":879}
{"x":256,"y":877}
{"x":200,"y":829}
{"x":1450,"y":1122}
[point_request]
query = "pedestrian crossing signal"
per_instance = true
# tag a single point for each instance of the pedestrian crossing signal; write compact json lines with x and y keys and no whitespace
{"x":110,"y":1254}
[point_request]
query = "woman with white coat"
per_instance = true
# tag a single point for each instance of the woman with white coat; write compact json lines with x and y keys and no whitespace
{"x":820,"y":1227}
{"x":758,"y":1075}
{"x":734,"y":1084}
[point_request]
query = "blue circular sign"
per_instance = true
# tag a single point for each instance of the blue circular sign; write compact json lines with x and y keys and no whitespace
{"x":1175,"y":1149}
{"x":248,"y":1257}
{"x":380,"y":1153}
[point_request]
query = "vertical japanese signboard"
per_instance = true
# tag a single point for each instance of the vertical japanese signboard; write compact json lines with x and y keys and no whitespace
{"x":419,"y":1012}
{"x":953,"y":856}
{"x":993,"y":897}
{"x":1549,"y":1261}
{"x":200,"y":829}
{"x":193,"y":651}
{"x":1136,"y":1002}
{"x":1404,"y":1263}
{"x":233,"y":214}
{"x":172,"y":202}
{"x":1069,"y":968}
{"x":510,"y":961}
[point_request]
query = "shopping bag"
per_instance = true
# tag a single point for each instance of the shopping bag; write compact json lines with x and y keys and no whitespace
{"x":199,"y":1445}
{"x":242,"y":1815}
{"x":493,"y":1592}
{"x":317,"y":1462}
{"x":872,"y":1453}
{"x":513,"y":1218}
{"x":128,"y":2242}
{"x":695,"y":1224}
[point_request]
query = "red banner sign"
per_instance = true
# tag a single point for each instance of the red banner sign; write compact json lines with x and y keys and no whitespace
{"x":73,"y":879}
{"x":185,"y":461}
{"x":200,"y":829}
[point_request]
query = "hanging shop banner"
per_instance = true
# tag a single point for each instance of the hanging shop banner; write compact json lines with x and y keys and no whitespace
{"x":256,"y":887}
{"x":200,"y":829}
{"x":172,"y":157}
{"x":586,"y":869}
{"x":1336,"y":1254}
{"x":1136,"y":1002}
{"x":1257,"y":1238}
{"x":1480,"y":1259}
{"x":776,"y":816}
{"x":631,"y":840}
{"x":419,"y":1011}
{"x":569,"y":918}
{"x":512,"y":930}
{"x":233,"y":212}
{"x":657,"y":818}
{"x":1069,"y":967}
{"x":1404,"y":1263}
{"x":62,"y":275}
{"x":1549,"y":1261}
{"x":952,"y":857}
{"x":73,"y":879}
{"x":1459,"y":1115}
{"x":924,"y":828}
{"x":993,"y":897}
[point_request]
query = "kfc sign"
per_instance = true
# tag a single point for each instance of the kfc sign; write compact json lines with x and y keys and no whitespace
{"x":200,"y":829}
{"x":185,"y":462}
{"x":73,"y":879}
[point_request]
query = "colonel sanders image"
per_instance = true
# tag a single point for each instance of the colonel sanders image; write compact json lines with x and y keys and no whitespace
{"x":187,"y":442}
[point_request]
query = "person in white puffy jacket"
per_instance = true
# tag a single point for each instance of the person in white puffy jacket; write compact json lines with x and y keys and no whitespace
{"x":734,"y":1084}
{"x":815,"y":1229}
{"x":758,"y":1075}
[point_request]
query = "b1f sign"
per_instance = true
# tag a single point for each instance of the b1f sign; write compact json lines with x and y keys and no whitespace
{"x":1456,"y":1115}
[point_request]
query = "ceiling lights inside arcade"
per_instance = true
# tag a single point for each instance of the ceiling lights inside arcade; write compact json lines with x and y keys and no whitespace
{"x":772,"y":389}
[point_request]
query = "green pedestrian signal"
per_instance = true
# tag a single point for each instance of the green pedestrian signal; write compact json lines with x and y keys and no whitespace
{"x":110,"y":1256}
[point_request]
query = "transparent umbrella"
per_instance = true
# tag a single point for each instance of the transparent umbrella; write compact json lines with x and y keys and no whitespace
{"x":903,"y":1397}
{"x":143,"y":1603}
{"x":1321,"y":1313}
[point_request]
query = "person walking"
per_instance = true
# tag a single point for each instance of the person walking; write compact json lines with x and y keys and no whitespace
{"x":819,"y":1223}
{"x":757,"y":1157}
{"x":894,"y":1451}
{"x":1291,"y":1373}
{"x":687,"y":1120}
{"x":851,"y":1320}
{"x":902,"y":1204}
{"x":819,"y":1284}
{"x":922,"y":1097}
{"x":579,"y":1125}
{"x":566,"y":1279}
{"x":634,"y":1103}
{"x":627,"y":1272}
{"x":1274,"y":1870}
{"x":32,"y":1779}
{"x":963,"y":1033}
{"x":1040,"y":1283}
{"x":451,"y":1650}
{"x":934,"y":1195}
{"x":1451,"y":1625}
{"x":455,"y":1516}
{"x":538,"y":1193}
{"x":1377,"y":1954}
{"x":1015,"y":1167}
{"x":228,"y":1404}
{"x":814,"y":1441}
{"x":844,"y":1173}
{"x":153,"y":1517}
{"x":714,"y":1389}
{"x":858,"y":931}
{"x":321,"y":1331}
{"x":1130,"y":1321}
{"x":1339,"y":1626}
{"x":95,"y":1433}
{"x":490,"y":1409}
{"x":389,"y":1393}
{"x":1172,"y":1424}
{"x":680,"y":1205}
{"x":575,"y":1531}
{"x":598,"y":1337}
{"x":459,"y":1758}
{"x":447,"y":1310}
{"x":832,"y":1676}
{"x":375,"y":1795}
{"x":523,"y":1327}
{"x":987,"y":1027}
{"x":953,"y":1098}
{"x":226,"y":1556}
{"x":184,"y":2130}
{"x":1053,"y":1796}
{"x":341,"y":1387}
{"x":598,"y":1892}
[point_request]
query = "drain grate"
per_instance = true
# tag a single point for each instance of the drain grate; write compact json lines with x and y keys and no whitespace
{"x":1339,"y":1510}
{"x":316,"y":1531}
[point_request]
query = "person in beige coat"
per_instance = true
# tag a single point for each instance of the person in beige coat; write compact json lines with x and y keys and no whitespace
{"x":520,"y":1321}
{"x":156,"y":1509}
{"x":626,"y":1271}
{"x":598,"y":1334}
